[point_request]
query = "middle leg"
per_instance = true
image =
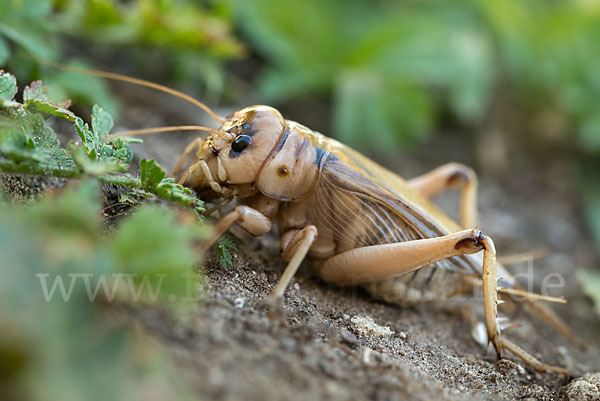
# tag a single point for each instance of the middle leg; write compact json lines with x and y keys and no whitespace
{"x":294,"y":247}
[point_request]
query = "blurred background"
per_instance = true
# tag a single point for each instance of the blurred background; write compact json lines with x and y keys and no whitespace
{"x":509,"y":87}
{"x":380,"y":76}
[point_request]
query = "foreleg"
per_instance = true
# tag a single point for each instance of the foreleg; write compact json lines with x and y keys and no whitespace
{"x":196,"y":143}
{"x":250,"y":219}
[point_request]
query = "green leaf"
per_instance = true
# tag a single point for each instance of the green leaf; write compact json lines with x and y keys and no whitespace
{"x":61,"y":236}
{"x":169,"y":190}
{"x":74,"y":212}
{"x":150,"y":174}
{"x":25,"y":9}
{"x":153,"y":180}
{"x":4,"y":52}
{"x":84,"y":132}
{"x":61,"y":112}
{"x":35,"y":127}
{"x":79,"y":87}
{"x":29,"y":38}
{"x":8,"y":86}
{"x":99,"y":146}
{"x":102,"y":121}
{"x":590,"y":281}
{"x":37,"y":92}
{"x":158,"y":249}
{"x":36,"y":96}
{"x":28,"y":139}
{"x":225,"y":246}
{"x":93,"y":165}
{"x":370,"y":111}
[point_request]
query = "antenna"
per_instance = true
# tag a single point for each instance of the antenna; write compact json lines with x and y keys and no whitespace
{"x":137,"y":81}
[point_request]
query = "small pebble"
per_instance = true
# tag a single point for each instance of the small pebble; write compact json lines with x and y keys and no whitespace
{"x":479,"y":334}
{"x":348,"y":337}
{"x":239,"y":303}
{"x":288,"y":344}
{"x":586,"y":388}
{"x":365,"y":326}
{"x":366,"y":356}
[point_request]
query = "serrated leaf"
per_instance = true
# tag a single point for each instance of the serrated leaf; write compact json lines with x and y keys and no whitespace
{"x":152,"y":180}
{"x":150,"y":173}
{"x":89,"y":163}
{"x":120,"y":149}
{"x":28,"y":138}
{"x":37,"y":92}
{"x":8,"y":85}
{"x":83,"y":131}
{"x":55,"y":111}
{"x":44,"y":137}
{"x":174,"y":192}
{"x":36,"y":97}
{"x":102,"y":121}
{"x":59,"y":159}
{"x":225,"y":246}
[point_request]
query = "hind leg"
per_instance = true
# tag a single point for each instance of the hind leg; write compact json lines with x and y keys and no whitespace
{"x":449,"y":176}
{"x":379,"y":262}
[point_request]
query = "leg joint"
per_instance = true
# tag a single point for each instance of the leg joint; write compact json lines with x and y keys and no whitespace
{"x":472,"y":243}
{"x":459,"y":174}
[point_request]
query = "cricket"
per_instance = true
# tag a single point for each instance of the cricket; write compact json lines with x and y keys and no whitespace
{"x":356,"y":221}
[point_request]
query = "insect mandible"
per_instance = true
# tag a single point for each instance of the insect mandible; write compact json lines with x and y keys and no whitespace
{"x":360,"y":223}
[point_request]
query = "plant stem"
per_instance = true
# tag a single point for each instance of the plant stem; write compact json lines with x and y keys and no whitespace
{"x":125,"y":180}
{"x":9,"y":166}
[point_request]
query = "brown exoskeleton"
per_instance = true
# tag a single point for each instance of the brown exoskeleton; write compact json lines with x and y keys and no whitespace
{"x":359,"y":222}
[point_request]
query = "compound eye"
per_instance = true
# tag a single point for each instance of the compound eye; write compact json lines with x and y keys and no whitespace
{"x":240,"y":143}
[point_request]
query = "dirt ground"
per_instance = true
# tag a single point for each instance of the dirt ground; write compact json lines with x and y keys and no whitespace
{"x":230,"y":349}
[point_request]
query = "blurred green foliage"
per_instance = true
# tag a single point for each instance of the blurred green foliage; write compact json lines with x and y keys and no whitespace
{"x":60,"y":343}
{"x":61,"y":272}
{"x":590,"y":194}
{"x":393,"y":66}
{"x":590,"y":282}
{"x":193,"y":38}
